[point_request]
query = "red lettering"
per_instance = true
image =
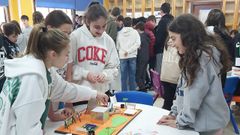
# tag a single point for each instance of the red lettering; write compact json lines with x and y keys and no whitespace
{"x":81,"y":49}
{"x":96,"y":53}
{"x":92,"y":53}
{"x":104,"y":53}
{"x":89,"y":53}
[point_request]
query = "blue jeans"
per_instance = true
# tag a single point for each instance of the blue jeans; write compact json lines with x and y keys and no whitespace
{"x":128,"y":72}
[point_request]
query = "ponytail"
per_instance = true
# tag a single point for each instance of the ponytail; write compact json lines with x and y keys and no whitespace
{"x":42,"y":40}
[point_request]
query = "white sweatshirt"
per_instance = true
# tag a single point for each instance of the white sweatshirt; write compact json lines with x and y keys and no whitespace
{"x":128,"y":40}
{"x":22,"y":101}
{"x":93,"y":54}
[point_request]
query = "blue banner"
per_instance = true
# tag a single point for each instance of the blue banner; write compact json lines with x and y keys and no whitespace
{"x":3,"y":2}
{"x":80,"y":5}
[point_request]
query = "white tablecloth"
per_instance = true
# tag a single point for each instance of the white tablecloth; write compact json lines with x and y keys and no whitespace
{"x":143,"y":124}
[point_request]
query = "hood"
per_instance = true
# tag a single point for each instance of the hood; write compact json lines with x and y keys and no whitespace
{"x":216,"y":54}
{"x":25,"y":65}
{"x":84,"y":29}
{"x":126,"y":31}
{"x":210,"y":29}
{"x":149,"y":26}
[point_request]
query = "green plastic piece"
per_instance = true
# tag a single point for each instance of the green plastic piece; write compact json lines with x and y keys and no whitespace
{"x":119,"y":120}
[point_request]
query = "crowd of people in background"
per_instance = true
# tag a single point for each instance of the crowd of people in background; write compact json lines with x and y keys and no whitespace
{"x":99,"y":48}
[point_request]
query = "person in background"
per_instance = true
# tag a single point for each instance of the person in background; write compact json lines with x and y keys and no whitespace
{"x":27,"y":28}
{"x":24,"y":111}
{"x":79,"y":22}
{"x":59,"y":20}
{"x":200,"y":104}
{"x":94,"y":55}
{"x":215,"y":24}
{"x":8,"y":47}
{"x":75,"y":19}
{"x":119,"y":22}
{"x":161,"y":33}
{"x":170,"y":73}
{"x":94,"y":2}
{"x":128,"y":42}
{"x":149,"y":29}
{"x":142,"y":57}
{"x":37,"y":17}
{"x":22,"y":39}
{"x":112,"y":27}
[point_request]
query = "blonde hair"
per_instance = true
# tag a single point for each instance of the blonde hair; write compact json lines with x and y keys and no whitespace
{"x":42,"y":40}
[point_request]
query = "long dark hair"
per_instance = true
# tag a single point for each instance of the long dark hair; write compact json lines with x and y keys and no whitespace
{"x":216,"y":19}
{"x":196,"y":41}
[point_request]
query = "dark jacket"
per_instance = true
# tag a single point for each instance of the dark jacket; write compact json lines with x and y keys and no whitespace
{"x":161,"y":33}
{"x":143,"y":51}
{"x":8,"y":50}
{"x":228,"y":41}
{"x":149,"y":27}
{"x":236,"y":44}
{"x":112,"y":29}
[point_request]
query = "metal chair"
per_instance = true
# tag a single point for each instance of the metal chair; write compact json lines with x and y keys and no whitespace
{"x":134,"y":97}
{"x":157,"y":85}
{"x":229,"y":88}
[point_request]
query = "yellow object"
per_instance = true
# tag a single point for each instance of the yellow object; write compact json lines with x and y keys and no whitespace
{"x":18,"y":8}
{"x":27,"y":8}
{"x":13,"y":9}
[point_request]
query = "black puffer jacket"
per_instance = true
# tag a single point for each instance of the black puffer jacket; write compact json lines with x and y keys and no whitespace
{"x":161,"y":33}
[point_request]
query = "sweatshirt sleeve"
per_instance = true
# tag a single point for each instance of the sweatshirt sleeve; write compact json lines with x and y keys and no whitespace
{"x":69,"y":92}
{"x":112,"y":65}
{"x":112,"y":30}
{"x":194,"y":96}
{"x":136,"y":44}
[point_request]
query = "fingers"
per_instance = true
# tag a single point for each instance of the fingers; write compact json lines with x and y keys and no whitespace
{"x":94,"y":78}
{"x":67,"y":112}
{"x":91,"y":77}
{"x":165,"y":119}
{"x":171,"y":123}
{"x":103,"y":98}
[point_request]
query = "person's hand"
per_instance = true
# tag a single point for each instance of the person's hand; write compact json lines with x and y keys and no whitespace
{"x":171,"y":123}
{"x":100,"y":78}
{"x":67,"y":112}
{"x":125,"y":54}
{"x":166,"y":118}
{"x":103,"y":98}
{"x":91,"y":77}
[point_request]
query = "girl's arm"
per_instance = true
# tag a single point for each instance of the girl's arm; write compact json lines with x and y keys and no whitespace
{"x":70,"y":92}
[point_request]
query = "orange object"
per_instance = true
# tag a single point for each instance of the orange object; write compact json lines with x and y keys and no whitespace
{"x":236,"y":99}
{"x":86,"y":118}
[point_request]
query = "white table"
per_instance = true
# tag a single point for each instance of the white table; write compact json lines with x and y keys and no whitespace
{"x":144,"y":123}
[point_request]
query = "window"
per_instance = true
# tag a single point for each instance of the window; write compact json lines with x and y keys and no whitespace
{"x":2,"y":15}
{"x":46,"y":11}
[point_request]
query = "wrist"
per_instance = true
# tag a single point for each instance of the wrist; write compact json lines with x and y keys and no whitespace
{"x":172,"y":114}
